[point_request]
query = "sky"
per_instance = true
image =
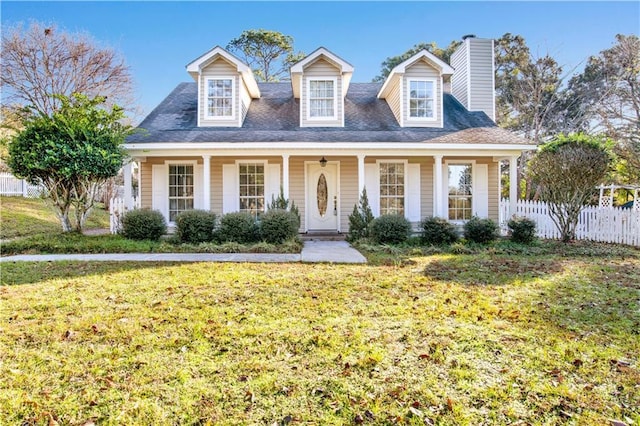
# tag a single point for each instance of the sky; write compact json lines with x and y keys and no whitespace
{"x":158,"y":39}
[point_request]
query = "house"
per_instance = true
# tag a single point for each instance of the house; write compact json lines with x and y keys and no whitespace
{"x":422,"y":143}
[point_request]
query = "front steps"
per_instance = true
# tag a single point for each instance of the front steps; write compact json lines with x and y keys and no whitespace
{"x":322,"y":236}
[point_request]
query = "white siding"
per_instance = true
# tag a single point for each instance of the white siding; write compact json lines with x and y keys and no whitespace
{"x":459,"y":79}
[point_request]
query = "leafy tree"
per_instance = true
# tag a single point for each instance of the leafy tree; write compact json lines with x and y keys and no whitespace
{"x":568,"y":170}
{"x":392,"y":61}
{"x":269,"y":53}
{"x":71,"y":153}
{"x":41,"y":61}
{"x":607,"y":95}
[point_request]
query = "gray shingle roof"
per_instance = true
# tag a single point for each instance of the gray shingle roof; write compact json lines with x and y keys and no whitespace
{"x":275,"y":118}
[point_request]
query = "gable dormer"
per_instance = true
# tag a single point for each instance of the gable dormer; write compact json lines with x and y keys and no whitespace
{"x":321,"y":81}
{"x":413,"y":90}
{"x":226,"y":86}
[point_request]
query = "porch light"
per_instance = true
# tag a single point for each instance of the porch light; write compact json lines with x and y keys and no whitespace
{"x":323,"y":161}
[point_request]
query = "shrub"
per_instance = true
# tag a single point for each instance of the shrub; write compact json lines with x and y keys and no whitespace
{"x":195,"y":226}
{"x":278,"y":225}
{"x":438,"y":231}
{"x":360,"y":219}
{"x":143,"y":225}
{"x":284,"y":204}
{"x":480,"y":231}
{"x":239,"y":227}
{"x":390,"y":229}
{"x":522,"y":230}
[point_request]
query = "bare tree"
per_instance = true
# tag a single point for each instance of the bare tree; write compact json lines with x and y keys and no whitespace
{"x":41,"y":61}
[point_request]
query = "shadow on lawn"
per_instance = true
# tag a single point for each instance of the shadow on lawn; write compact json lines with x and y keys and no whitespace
{"x":19,"y":273}
{"x":497,"y":270}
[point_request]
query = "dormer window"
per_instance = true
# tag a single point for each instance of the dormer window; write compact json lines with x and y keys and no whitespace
{"x":322,"y":98}
{"x":220,"y":98}
{"x":421,"y":99}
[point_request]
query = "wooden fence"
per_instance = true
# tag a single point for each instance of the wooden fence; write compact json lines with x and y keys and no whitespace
{"x":604,"y":224}
{"x":12,"y":186}
{"x":117,"y":208}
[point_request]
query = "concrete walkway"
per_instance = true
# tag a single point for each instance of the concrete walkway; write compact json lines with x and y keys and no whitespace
{"x":312,"y":252}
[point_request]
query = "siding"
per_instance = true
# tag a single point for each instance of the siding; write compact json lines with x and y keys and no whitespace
{"x":245,"y":101}
{"x":421,"y":69}
{"x":473,"y":82}
{"x":393,"y":99}
{"x":321,"y":68}
{"x":482,"y":76}
{"x":426,"y":187}
{"x":459,"y":78}
{"x":219,"y":68}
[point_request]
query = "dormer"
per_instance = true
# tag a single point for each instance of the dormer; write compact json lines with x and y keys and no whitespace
{"x":321,"y":81}
{"x":414,"y":89}
{"x":226,"y":86}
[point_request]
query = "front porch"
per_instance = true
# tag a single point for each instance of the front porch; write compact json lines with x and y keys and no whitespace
{"x":412,"y":182}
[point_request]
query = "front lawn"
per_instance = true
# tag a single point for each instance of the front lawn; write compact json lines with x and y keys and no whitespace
{"x":492,"y":337}
{"x":31,"y":216}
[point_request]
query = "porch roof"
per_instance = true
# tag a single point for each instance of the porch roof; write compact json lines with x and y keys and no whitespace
{"x":275,"y":117}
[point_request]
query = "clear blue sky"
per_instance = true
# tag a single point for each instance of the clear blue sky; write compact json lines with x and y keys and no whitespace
{"x":159,"y":38}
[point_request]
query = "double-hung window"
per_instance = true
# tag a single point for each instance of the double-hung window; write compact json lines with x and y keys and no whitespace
{"x":220,"y":94}
{"x":322,"y":98}
{"x":251,"y":178}
{"x":421,"y":99}
{"x":460,"y":191}
{"x":392,"y":188}
{"x":180,"y":189}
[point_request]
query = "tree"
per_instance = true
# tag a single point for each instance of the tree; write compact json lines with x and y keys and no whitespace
{"x":42,"y":61}
{"x":270,"y":54}
{"x":71,"y":153}
{"x":608,"y":92}
{"x":360,"y":219}
{"x":567,"y":171}
{"x":392,"y":61}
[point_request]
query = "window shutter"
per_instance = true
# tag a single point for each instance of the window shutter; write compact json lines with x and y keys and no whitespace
{"x":230,"y":195}
{"x":481,"y":190}
{"x":372,"y":184}
{"x":159,"y":185}
{"x":198,"y":195}
{"x":412,"y":184}
{"x":272,"y":187}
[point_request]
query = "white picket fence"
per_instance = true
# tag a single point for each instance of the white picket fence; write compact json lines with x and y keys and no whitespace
{"x":12,"y":186}
{"x":117,"y":208}
{"x":604,"y":224}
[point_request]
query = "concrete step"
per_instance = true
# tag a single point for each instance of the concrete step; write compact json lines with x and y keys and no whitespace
{"x":322,"y":236}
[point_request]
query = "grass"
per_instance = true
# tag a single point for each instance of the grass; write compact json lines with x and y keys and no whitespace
{"x":32,"y":228}
{"x":496,"y":336}
{"x":31,"y":216}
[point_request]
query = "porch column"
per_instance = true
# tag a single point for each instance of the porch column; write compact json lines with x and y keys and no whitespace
{"x":206,"y":182}
{"x":128,"y":196}
{"x":139,"y":176}
{"x":438,"y":204}
{"x":513,"y":185}
{"x":360,"y":174}
{"x":285,"y":175}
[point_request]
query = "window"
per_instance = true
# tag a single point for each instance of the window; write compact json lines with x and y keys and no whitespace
{"x":421,"y":99}
{"x":252,"y":188}
{"x":392,"y":188}
{"x":460,"y":197}
{"x":180,"y":189}
{"x":220,"y":92}
{"x":322,"y":99}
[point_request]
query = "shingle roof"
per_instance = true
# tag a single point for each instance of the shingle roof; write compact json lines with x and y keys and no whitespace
{"x":275,"y":118}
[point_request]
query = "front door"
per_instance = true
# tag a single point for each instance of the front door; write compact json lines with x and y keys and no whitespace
{"x":322,"y":200}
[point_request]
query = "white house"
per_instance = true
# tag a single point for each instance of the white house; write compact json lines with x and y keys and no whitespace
{"x":422,"y":143}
